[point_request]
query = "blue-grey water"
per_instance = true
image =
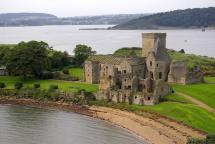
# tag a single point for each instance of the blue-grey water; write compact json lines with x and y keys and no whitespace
{"x":26,"y":125}
{"x":107,"y":41}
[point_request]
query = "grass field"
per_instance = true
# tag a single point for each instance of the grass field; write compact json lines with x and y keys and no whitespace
{"x":77,"y":72}
{"x":63,"y":85}
{"x":202,"y":92}
{"x":188,"y":113}
{"x":210,"y":79}
{"x":177,"y":98}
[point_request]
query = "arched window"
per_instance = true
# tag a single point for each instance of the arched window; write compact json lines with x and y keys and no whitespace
{"x":150,"y":63}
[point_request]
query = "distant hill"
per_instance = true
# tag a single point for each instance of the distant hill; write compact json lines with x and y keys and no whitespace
{"x":207,"y":64}
{"x":189,"y":18}
{"x":38,"y":19}
{"x":27,"y":19}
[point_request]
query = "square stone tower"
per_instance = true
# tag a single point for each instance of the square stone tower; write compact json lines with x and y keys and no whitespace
{"x":150,"y":42}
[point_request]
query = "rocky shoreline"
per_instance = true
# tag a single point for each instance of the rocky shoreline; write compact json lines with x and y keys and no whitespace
{"x":154,"y":129}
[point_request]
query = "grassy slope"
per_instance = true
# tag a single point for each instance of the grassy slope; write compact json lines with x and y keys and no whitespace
{"x":63,"y":85}
{"x":210,"y":79}
{"x":122,"y":52}
{"x":176,"y":98}
{"x":202,"y":92}
{"x":77,"y":72}
{"x":188,"y":113}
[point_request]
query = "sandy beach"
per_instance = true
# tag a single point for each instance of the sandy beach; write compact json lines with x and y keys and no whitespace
{"x":153,"y":128}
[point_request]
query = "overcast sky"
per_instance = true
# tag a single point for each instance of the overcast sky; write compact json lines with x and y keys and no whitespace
{"x":65,"y":8}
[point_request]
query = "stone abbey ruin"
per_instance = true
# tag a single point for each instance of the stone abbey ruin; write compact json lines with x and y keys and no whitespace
{"x":139,"y":80}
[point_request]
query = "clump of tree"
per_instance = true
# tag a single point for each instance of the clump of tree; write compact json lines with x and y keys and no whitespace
{"x":29,"y":58}
{"x":58,"y":59}
{"x":82,"y":52}
{"x":33,"y":59}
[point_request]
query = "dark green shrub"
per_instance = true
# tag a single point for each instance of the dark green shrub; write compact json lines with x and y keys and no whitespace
{"x":53,"y":87}
{"x":2,"y":85}
{"x":130,"y":99}
{"x":66,"y":77}
{"x":36,"y":86}
{"x":56,"y":75}
{"x":210,"y":139}
{"x":196,"y":141}
{"x":18,"y":85}
{"x":46,"y":75}
{"x":66,"y":71}
{"x":182,"y":51}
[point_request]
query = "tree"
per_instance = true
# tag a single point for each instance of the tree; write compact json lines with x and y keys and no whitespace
{"x":82,"y":52}
{"x":29,"y":58}
{"x":4,"y":49}
{"x":59,"y":59}
{"x":182,"y":51}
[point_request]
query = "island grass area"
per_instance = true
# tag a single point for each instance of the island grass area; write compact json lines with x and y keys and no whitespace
{"x":203,"y":92}
{"x":189,"y":114}
{"x":181,"y":110}
{"x":77,"y":72}
{"x":45,"y":84}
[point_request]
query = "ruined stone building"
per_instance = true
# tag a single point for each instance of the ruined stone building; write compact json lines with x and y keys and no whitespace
{"x":136,"y":80}
{"x":180,"y":73}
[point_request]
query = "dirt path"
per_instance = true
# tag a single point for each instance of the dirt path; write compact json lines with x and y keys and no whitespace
{"x":155,"y":129}
{"x":197,"y":102}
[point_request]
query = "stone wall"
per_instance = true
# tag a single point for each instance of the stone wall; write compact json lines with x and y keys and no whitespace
{"x":157,"y":69}
{"x":91,"y":72}
{"x":149,"y":41}
{"x":179,"y":73}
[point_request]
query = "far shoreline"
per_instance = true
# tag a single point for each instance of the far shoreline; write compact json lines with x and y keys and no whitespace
{"x":151,"y":130}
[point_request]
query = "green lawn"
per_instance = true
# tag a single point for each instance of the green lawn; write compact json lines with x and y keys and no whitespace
{"x":209,"y":79}
{"x":202,"y":92}
{"x":77,"y":72}
{"x":188,"y":113}
{"x":177,"y":98}
{"x":63,"y":85}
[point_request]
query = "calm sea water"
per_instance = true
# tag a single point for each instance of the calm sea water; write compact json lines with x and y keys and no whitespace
{"x":25,"y":125}
{"x":107,"y":41}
